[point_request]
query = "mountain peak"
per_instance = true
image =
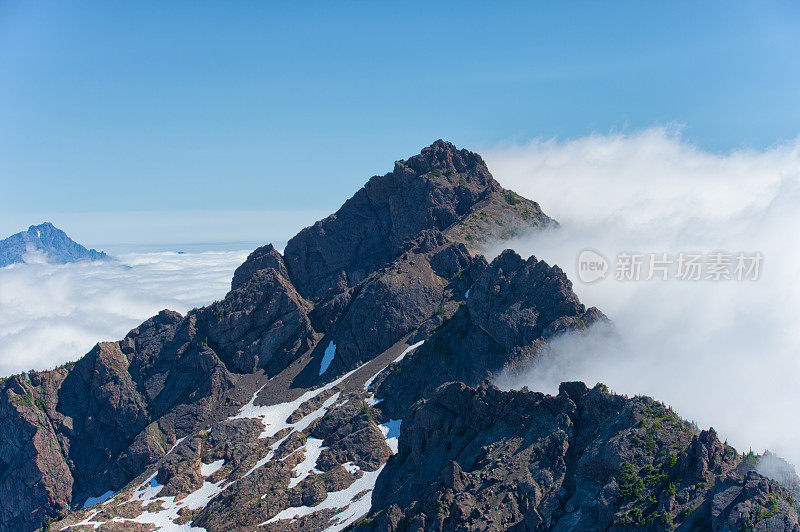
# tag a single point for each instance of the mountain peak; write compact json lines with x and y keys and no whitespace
{"x":444,"y":156}
{"x":48,"y":239}
{"x":44,"y":226}
{"x":443,"y":189}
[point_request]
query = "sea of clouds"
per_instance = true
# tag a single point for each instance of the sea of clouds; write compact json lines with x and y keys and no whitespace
{"x":51,"y":314}
{"x":724,"y":354}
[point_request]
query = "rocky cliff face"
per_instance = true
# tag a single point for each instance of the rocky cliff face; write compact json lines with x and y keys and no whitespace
{"x":442,"y":189}
{"x":313,"y":383}
{"x":509,"y":309}
{"x":482,"y":459}
{"x":48,"y":240}
{"x":346,"y":291}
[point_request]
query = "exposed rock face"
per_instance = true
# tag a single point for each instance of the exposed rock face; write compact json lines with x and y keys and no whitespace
{"x":434,"y":190}
{"x":260,"y":410}
{"x":264,"y":258}
{"x":483,"y":459}
{"x":263,"y":323}
{"x":92,"y":423}
{"x":391,"y":262}
{"x":49,"y":240}
{"x":514,"y":305}
{"x":399,"y":298}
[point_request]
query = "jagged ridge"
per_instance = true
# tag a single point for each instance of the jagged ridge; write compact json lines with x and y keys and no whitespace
{"x":364,"y":278}
{"x":483,"y":459}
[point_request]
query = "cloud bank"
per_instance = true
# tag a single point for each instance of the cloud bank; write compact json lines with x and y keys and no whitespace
{"x":725,"y":354}
{"x":51,"y":314}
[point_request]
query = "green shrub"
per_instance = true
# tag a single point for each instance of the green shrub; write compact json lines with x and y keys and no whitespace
{"x":365,"y":410}
{"x":663,"y":519}
{"x":441,"y":506}
{"x":511,"y":197}
{"x":631,"y":487}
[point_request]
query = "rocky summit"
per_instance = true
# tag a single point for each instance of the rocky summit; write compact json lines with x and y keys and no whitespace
{"x":343,"y":384}
{"x":50,"y":242}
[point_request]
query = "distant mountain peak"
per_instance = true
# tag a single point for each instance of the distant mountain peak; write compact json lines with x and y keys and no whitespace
{"x":48,"y":239}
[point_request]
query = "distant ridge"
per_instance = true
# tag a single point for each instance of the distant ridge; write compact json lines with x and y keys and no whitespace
{"x":48,"y":239}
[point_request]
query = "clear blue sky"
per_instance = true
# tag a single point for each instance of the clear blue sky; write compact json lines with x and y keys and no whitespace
{"x":258,"y":106}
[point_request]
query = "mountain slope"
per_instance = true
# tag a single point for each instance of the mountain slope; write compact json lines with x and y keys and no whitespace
{"x":483,"y":459}
{"x":49,"y":240}
{"x":317,"y":391}
{"x":353,"y":286}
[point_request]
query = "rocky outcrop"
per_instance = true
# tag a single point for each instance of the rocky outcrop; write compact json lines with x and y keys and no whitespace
{"x":263,"y":322}
{"x":586,"y":459}
{"x":91,"y":426}
{"x":397,"y":299}
{"x":513,"y":307}
{"x":437,"y":189}
{"x":47,"y":240}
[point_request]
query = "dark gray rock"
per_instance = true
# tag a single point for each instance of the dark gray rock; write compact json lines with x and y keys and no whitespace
{"x":483,"y":459}
{"x":434,"y":190}
{"x":514,"y":306}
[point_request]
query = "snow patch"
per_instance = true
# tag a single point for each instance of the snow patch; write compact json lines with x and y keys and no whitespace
{"x":348,"y":500}
{"x":391,"y":431}
{"x":209,"y":469}
{"x":313,"y":448}
{"x":91,"y":501}
{"x":164,"y":519}
{"x":351,"y":468}
{"x":148,"y":490}
{"x":351,"y":502}
{"x":88,"y":521}
{"x":407,"y":351}
{"x":330,"y":352}
{"x":274,"y":416}
{"x":177,"y":442}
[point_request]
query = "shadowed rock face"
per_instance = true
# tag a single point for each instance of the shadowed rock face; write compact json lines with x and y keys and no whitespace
{"x":263,"y":323}
{"x":514,"y":306}
{"x":483,"y":459}
{"x":90,"y":425}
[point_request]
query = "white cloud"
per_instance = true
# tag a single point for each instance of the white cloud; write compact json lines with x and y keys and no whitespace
{"x":50,"y":314}
{"x":726,"y":354}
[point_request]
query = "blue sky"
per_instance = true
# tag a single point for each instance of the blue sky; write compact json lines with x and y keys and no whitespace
{"x":133,"y":107}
